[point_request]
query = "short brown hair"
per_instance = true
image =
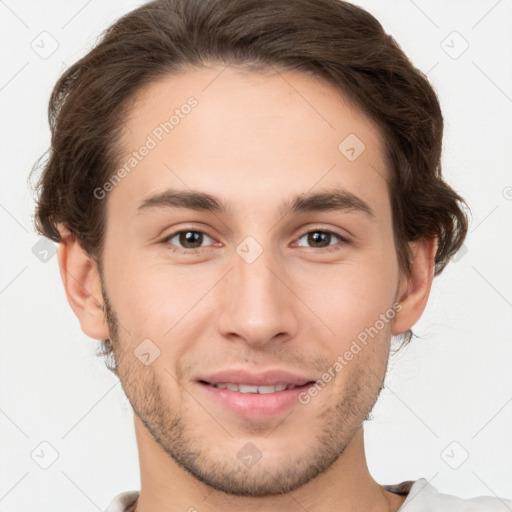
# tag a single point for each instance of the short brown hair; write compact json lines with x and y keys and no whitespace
{"x":331,"y":39}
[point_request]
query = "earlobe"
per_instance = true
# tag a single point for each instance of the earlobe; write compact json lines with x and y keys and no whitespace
{"x":82,"y":284}
{"x":415,"y":289}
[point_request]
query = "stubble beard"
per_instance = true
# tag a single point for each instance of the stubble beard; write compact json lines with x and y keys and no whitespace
{"x":208,"y":461}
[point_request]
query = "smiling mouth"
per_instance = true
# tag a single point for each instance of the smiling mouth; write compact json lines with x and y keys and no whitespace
{"x":262,"y":390}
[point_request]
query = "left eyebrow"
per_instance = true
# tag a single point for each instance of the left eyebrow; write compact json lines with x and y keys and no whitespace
{"x":327,"y":200}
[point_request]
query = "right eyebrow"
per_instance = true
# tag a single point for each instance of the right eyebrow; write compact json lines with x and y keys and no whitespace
{"x":193,"y":200}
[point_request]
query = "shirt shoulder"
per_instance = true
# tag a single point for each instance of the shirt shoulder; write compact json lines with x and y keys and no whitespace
{"x":123,"y":502}
{"x":423,"y":497}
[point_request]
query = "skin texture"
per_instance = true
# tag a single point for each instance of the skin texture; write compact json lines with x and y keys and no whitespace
{"x":254,"y":140}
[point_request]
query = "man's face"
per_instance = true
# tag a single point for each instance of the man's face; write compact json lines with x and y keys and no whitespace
{"x":253,"y":288}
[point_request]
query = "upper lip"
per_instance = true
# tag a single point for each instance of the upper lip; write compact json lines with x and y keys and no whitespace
{"x":266,"y":378}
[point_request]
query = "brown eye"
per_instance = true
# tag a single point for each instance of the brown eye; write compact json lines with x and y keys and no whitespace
{"x":187,"y":239}
{"x":319,"y":239}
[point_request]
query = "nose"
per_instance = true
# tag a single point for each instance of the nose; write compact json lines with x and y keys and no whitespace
{"x":258,"y":305}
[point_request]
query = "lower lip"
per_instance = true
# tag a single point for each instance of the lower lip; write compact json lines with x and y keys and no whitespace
{"x":255,"y":405}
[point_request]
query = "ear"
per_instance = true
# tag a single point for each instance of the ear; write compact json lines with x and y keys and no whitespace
{"x":82,"y":284}
{"x":415,"y":289}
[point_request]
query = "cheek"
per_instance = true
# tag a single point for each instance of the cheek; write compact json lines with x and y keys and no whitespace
{"x":160,"y":301}
{"x":142,"y":300}
{"x":350,"y":296}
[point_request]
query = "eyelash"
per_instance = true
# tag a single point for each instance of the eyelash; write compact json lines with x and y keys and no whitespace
{"x":329,"y":248}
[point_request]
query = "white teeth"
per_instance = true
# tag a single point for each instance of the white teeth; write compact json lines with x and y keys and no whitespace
{"x":267,"y":389}
{"x":247,"y":388}
{"x":244,"y":388}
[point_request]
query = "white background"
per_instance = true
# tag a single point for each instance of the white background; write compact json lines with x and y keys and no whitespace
{"x":453,"y":384}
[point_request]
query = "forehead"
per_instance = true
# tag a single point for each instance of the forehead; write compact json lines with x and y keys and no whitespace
{"x":246,"y":136}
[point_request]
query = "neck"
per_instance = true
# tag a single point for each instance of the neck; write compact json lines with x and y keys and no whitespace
{"x":345,"y":485}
